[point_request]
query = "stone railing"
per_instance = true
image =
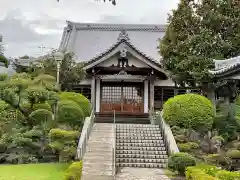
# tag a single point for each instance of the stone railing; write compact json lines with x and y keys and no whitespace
{"x":86,"y":130}
{"x":168,"y":137}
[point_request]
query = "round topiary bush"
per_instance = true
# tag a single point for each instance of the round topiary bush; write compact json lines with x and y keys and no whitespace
{"x":80,"y":99}
{"x":69,"y":112}
{"x":40,"y":115}
{"x":180,"y":161}
{"x":189,"y":111}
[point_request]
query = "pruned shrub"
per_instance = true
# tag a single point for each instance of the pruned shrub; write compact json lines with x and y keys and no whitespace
{"x":179,"y":161}
{"x":193,"y":173}
{"x":69,"y":112}
{"x":40,"y":115}
{"x":187,"y":147}
{"x":74,"y":171}
{"x":42,"y":106}
{"x":228,"y":175}
{"x":189,"y":111}
{"x":217,"y":159}
{"x":80,"y":99}
{"x":64,"y":143}
{"x":233,"y":153}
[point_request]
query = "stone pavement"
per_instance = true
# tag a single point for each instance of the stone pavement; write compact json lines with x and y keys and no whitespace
{"x":140,"y":174}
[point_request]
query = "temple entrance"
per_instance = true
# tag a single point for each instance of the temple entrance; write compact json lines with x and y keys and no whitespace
{"x":122,"y":97}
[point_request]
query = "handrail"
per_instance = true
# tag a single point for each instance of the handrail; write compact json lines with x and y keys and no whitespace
{"x":114,"y":145}
{"x":169,"y":140}
{"x":86,"y":130}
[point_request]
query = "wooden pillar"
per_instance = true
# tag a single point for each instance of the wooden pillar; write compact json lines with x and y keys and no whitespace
{"x":93,"y":92}
{"x":151,"y":94}
{"x":146,"y":96}
{"x":98,"y":94}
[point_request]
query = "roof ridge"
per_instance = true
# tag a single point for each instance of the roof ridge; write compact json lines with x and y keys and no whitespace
{"x":117,"y":27}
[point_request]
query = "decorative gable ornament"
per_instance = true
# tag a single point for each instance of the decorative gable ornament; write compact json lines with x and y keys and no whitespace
{"x":123,"y":35}
{"x":123,"y":52}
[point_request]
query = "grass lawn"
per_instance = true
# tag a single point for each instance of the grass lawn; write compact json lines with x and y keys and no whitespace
{"x":49,"y":171}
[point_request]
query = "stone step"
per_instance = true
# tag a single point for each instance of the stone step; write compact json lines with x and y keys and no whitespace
{"x":140,"y":160}
{"x":140,"y":144}
{"x":142,"y":165}
{"x":139,"y":137}
{"x":150,"y":156}
{"x":136,"y":125}
{"x":139,"y":152}
{"x":97,"y":177}
{"x":141,"y":148}
{"x":139,"y":141}
{"x":139,"y":134}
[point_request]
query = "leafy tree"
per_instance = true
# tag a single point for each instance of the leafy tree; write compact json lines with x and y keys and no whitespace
{"x":198,"y":32}
{"x":3,"y":59}
{"x":70,"y":71}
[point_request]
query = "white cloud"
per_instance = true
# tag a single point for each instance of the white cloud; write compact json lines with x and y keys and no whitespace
{"x":27,"y":24}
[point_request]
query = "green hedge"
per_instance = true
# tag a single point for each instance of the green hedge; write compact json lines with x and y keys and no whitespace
{"x":80,"y":99}
{"x":189,"y":111}
{"x":74,"y":172}
{"x":207,"y":172}
{"x":187,"y":147}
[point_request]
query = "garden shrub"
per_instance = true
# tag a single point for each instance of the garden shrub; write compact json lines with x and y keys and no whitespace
{"x":64,"y":143}
{"x":80,"y":99}
{"x":187,"y":147}
{"x":40,"y":115}
{"x":181,"y":138}
{"x":179,"y":161}
{"x":74,"y":171}
{"x":228,"y":175}
{"x":42,"y":106}
{"x":191,"y":111}
{"x":233,"y":153}
{"x":193,"y":173}
{"x":69,"y":112}
{"x":207,"y":172}
{"x":217,"y":159}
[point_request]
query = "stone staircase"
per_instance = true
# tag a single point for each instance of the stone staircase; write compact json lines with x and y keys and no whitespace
{"x":97,"y":161}
{"x":140,"y":145}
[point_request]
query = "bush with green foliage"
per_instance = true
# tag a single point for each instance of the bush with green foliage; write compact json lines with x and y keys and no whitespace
{"x":69,"y":112}
{"x":207,"y":172}
{"x":64,"y":143}
{"x":218,"y":159}
{"x":187,"y":147}
{"x":180,"y":161}
{"x":80,"y":99}
{"x":233,"y":154}
{"x":74,"y":171}
{"x":189,"y":111}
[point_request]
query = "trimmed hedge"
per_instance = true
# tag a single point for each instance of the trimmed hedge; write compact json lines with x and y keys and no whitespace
{"x":69,"y":112}
{"x":187,"y":147}
{"x":189,"y":111}
{"x":74,"y":171}
{"x":207,"y":172}
{"x":80,"y":99}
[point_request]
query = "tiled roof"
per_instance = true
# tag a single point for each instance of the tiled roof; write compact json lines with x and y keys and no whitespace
{"x":225,"y":66}
{"x":118,"y":42}
{"x":90,"y":40}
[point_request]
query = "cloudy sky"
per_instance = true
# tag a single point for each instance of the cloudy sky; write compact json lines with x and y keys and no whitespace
{"x":27,"y":25}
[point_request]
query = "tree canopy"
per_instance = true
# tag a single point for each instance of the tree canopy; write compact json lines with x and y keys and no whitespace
{"x":71,"y":72}
{"x":199,"y":32}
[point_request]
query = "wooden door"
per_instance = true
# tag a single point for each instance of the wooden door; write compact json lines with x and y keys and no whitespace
{"x":123,"y":98}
